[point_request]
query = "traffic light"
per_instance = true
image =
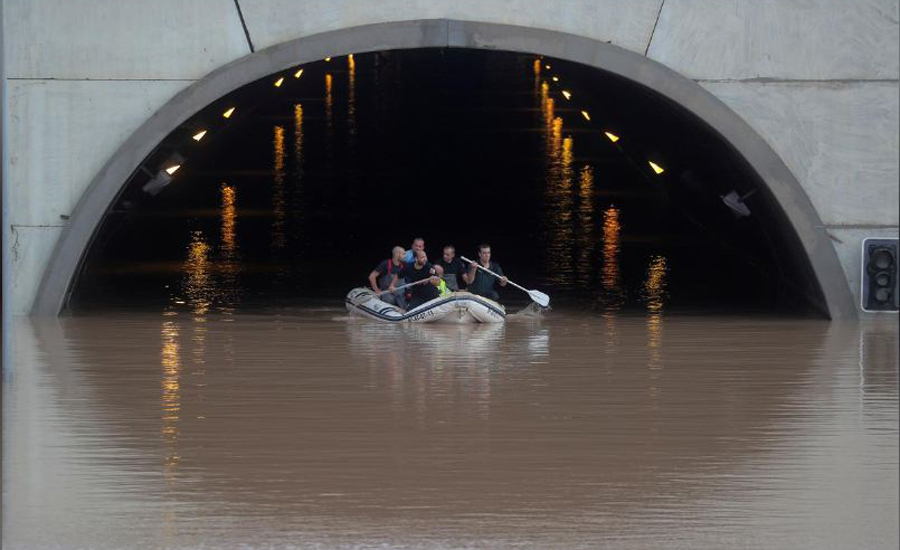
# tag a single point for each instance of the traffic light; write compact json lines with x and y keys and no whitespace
{"x":880,"y":290}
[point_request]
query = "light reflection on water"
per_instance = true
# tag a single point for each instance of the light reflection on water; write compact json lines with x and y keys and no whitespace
{"x":351,"y":104}
{"x":584,"y":225}
{"x":197,"y":283}
{"x":612,"y":295}
{"x":311,"y":430}
{"x":329,"y":117}
{"x":298,"y":213}
{"x":171,"y":395}
{"x":278,"y":199}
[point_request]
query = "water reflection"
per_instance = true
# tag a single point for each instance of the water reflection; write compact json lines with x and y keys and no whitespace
{"x":562,"y":268}
{"x":279,"y":209}
{"x":558,"y":204}
{"x":538,"y":96}
{"x":421,"y":363}
{"x":298,"y":141}
{"x":351,"y":104}
{"x":612,"y":293}
{"x":584,"y":224}
{"x":197,"y":283}
{"x":230,"y":260}
{"x":298,"y":187}
{"x":654,"y":295}
{"x":207,"y":281}
{"x":229,"y":220}
{"x":654,"y":291}
{"x":170,"y":361}
{"x":359,"y":434}
{"x":879,"y":360}
{"x":329,"y":117}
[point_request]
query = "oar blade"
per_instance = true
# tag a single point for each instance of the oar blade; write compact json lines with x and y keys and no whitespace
{"x":539,"y":298}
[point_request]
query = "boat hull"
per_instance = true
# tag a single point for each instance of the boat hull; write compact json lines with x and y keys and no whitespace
{"x":457,"y":307}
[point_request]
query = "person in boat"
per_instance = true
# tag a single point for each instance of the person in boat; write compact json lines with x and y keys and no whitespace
{"x":417,"y":244}
{"x":417,"y":271}
{"x":409,"y":257}
{"x":382,"y":277}
{"x":454,"y":272}
{"x":483,"y":283}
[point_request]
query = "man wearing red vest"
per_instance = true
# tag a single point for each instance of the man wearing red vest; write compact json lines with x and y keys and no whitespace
{"x":382,"y":276}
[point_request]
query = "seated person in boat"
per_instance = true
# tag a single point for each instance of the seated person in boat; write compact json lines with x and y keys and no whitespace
{"x":383,"y":275}
{"x":481,"y":282}
{"x":454,"y":271}
{"x":421,"y":269}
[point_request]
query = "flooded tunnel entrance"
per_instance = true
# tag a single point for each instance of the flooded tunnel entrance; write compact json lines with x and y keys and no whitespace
{"x":597,"y":190}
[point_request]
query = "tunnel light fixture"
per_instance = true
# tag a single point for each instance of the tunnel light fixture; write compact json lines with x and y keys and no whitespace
{"x":164,"y":177}
{"x":228,"y":113}
{"x":298,"y":74}
{"x":586,"y":116}
{"x":735,"y":202}
{"x":555,"y":79}
{"x":656,"y":168}
{"x":611,"y":136}
{"x":567,"y":94}
{"x":199,"y":135}
{"x":279,"y":82}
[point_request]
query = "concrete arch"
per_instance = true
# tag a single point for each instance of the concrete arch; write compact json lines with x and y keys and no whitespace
{"x":798,"y":209}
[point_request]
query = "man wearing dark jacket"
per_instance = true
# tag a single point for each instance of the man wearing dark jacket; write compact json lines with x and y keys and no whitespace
{"x":483,"y":283}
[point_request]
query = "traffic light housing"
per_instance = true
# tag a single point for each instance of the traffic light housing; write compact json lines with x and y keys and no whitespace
{"x":880,"y":290}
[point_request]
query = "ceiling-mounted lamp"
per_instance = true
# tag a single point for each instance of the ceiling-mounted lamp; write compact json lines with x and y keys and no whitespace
{"x":164,"y":176}
{"x":736,"y":202}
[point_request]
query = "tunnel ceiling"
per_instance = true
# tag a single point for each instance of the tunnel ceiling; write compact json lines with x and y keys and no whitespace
{"x":590,"y":186}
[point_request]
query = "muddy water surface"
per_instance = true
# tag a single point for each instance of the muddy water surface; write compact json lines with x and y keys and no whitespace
{"x":307,"y":429}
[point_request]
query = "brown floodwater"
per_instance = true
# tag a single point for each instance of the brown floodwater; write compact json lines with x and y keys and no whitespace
{"x":308,"y":429}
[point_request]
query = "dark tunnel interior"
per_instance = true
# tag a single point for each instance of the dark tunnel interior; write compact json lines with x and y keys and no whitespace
{"x":292,"y":199}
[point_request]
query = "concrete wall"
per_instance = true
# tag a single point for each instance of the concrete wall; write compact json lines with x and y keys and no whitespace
{"x":817,"y":79}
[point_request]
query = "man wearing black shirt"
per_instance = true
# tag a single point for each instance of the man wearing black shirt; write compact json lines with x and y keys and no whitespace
{"x":482,"y":283}
{"x":422,"y":269}
{"x":454,"y":272}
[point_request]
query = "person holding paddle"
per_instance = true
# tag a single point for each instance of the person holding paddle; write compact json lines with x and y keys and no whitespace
{"x":482,"y":283}
{"x":420,"y":271}
{"x":383,"y":275}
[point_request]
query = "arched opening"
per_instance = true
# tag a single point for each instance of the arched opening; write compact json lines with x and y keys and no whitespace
{"x":567,"y":188}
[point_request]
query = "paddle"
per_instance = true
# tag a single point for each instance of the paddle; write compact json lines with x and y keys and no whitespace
{"x":396,"y":288}
{"x":539,"y":297}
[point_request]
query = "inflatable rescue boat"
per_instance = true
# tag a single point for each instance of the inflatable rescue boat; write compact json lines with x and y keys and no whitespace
{"x":457,"y":307}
